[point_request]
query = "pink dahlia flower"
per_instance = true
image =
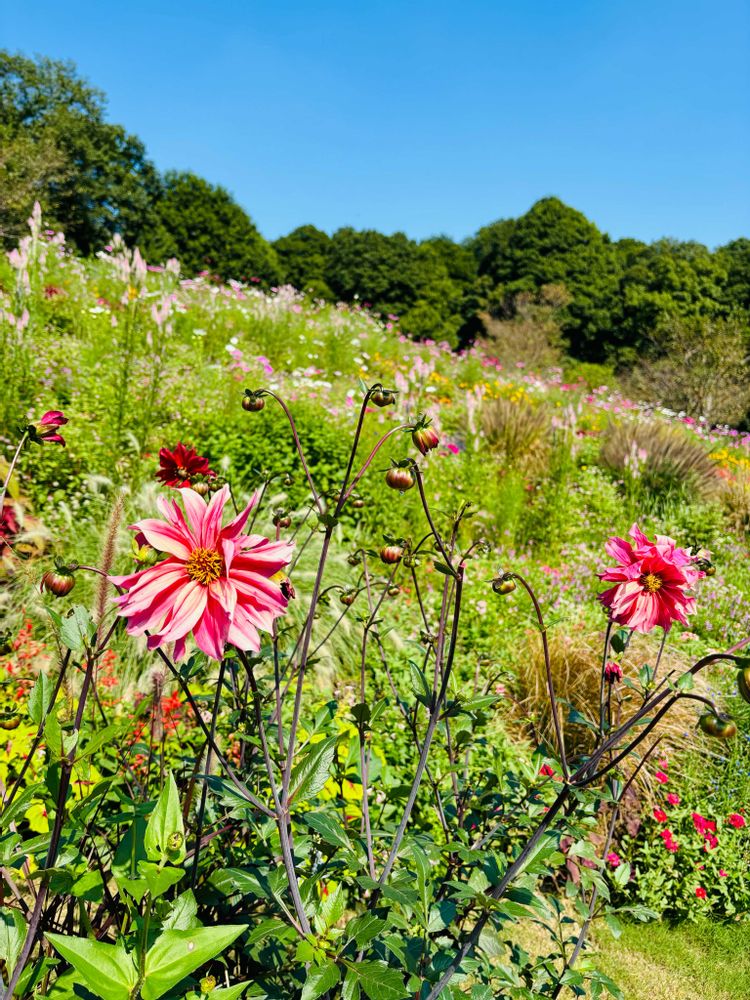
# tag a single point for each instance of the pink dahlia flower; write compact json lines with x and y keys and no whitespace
{"x":652,"y":582}
{"x":215,"y":582}
{"x":46,"y":429}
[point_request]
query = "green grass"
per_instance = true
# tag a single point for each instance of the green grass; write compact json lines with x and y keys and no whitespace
{"x":701,"y":961}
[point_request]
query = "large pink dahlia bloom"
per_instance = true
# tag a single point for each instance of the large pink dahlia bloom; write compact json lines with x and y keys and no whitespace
{"x":652,"y":582}
{"x":215,"y":582}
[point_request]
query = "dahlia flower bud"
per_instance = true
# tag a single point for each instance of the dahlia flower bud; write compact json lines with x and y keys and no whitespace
{"x":391,"y":554}
{"x":503,"y":585}
{"x":400,"y":478}
{"x":281,"y":519}
{"x":253,"y":402}
{"x":718,"y":724}
{"x":425,"y":438}
{"x":612,"y":672}
{"x":143,"y":553}
{"x":348,"y":597}
{"x":358,"y":503}
{"x":383,"y":397}
{"x":202,"y":488}
{"x":393,"y":591}
{"x":59,"y":582}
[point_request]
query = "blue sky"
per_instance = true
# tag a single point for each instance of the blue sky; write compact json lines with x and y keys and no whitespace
{"x":430,"y":117}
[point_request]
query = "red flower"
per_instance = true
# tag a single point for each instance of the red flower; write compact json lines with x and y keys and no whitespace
{"x":612,"y":672}
{"x":46,"y":429}
{"x":546,"y":771}
{"x":710,"y":841}
{"x":736,"y":820}
{"x":673,"y":799}
{"x":181,"y":466}
{"x":614,"y":859}
{"x":661,"y":777}
{"x":700,"y":892}
{"x":669,"y":842}
{"x":9,"y":526}
{"x":722,"y":873}
{"x":660,"y":816}
{"x":702,"y":824}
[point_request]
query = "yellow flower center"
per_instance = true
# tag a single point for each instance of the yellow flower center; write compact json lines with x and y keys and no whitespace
{"x":652,"y":582}
{"x":204,"y":565}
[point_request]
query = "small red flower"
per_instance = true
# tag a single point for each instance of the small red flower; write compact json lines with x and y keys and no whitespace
{"x":612,"y":672}
{"x":179,"y":467}
{"x":9,"y":526}
{"x":702,"y":825}
{"x":700,"y":892}
{"x":660,"y":816}
{"x":673,"y":799}
{"x":614,"y":859}
{"x":710,"y":841}
{"x":722,"y":873}
{"x":736,"y":820}
{"x":546,"y":771}
{"x":661,"y":777}
{"x":46,"y":429}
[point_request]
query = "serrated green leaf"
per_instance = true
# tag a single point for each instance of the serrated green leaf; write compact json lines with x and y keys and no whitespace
{"x":310,"y":774}
{"x":379,"y":981}
{"x":12,"y":936}
{"x":319,"y":980}
{"x":39,"y":698}
{"x":165,"y":822}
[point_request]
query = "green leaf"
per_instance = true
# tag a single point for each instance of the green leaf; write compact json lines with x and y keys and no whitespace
{"x":19,"y":805}
{"x":229,"y":992}
{"x":107,"y":969}
{"x":621,"y":875}
{"x":77,"y":629}
{"x":12,"y":935}
{"x":310,"y":774}
{"x":183,"y":915}
{"x":165,"y":822}
{"x":39,"y":699}
{"x":350,"y":989}
{"x":175,"y":954}
{"x":319,"y":980}
{"x":686,"y":682}
{"x":363,"y":929}
{"x":328,"y":829}
{"x":619,"y":640}
{"x":379,"y":981}
{"x":159,"y":879}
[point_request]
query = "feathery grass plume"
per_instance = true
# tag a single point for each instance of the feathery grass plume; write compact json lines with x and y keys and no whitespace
{"x":517,"y":432}
{"x":662,"y":458}
{"x":576,"y":663}
{"x":108,"y":556}
{"x":735,"y":499}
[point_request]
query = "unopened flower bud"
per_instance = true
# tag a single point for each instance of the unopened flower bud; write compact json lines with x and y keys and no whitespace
{"x":400,"y":478}
{"x":425,"y":438}
{"x":358,"y":503}
{"x":59,"y":582}
{"x":503,"y":585}
{"x":612,"y":672}
{"x":348,"y":597}
{"x":253,"y":402}
{"x":391,"y":554}
{"x":208,"y":984}
{"x":281,"y":519}
{"x":202,"y":488}
{"x":383,"y":397}
{"x":393,"y":591}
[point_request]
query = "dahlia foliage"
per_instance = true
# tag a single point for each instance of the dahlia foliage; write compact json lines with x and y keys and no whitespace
{"x":215,"y":581}
{"x":653,"y":582}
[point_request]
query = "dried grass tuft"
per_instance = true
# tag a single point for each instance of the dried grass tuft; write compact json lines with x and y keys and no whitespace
{"x":517,"y":433}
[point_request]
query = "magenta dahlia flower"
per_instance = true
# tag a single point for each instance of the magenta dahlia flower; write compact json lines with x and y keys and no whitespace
{"x":181,"y":466}
{"x":46,"y":429}
{"x":652,"y":582}
{"x":215,"y":582}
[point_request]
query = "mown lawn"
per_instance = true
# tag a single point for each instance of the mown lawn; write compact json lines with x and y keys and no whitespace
{"x":701,"y":961}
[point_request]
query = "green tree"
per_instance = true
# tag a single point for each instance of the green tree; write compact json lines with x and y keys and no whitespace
{"x":206,"y":230}
{"x":303,"y":254}
{"x":91,"y":177}
{"x":553,"y":244}
{"x":735,"y":259}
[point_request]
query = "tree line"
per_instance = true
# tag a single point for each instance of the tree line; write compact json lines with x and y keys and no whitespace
{"x":609,"y":298}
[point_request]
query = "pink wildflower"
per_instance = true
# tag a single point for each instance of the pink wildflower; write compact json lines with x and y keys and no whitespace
{"x":673,"y":799}
{"x":736,"y":820}
{"x":215,"y":582}
{"x":651,"y":580}
{"x":702,"y":824}
{"x":700,"y":892}
{"x":46,"y":430}
{"x":722,"y":873}
{"x":614,"y":859}
{"x":661,"y":777}
{"x":660,"y":816}
{"x":546,"y":771}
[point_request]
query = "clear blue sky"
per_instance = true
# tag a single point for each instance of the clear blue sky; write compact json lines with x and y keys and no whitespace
{"x":430,"y":116}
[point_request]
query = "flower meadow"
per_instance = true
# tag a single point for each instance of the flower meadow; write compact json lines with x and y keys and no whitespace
{"x":332,"y":662}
